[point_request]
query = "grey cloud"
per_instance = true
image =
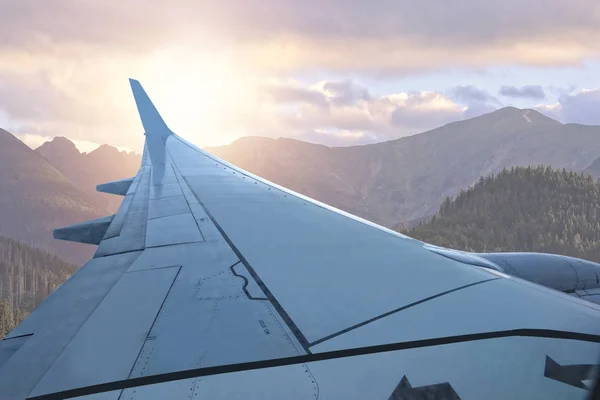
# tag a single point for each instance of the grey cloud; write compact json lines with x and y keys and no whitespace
{"x":581,"y":108}
{"x":33,"y":104}
{"x":353,"y":116}
{"x":337,"y":139}
{"x":88,"y":22}
{"x":136,"y":22}
{"x":477,"y":101}
{"x":30,"y":96}
{"x":33,"y":97}
{"x":470,"y":93}
{"x":337,"y":93}
{"x":371,"y":119}
{"x":333,"y":118}
{"x":415,"y":118}
{"x":561,"y":90}
{"x":293,"y":94}
{"x":535,"y":92}
{"x":477,"y":109}
{"x":346,"y":92}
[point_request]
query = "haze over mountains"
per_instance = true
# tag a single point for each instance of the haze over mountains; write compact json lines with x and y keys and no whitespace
{"x":86,"y":170}
{"x":407,"y":178}
{"x":41,"y":193}
{"x":389,"y":183}
{"x":36,"y":198}
{"x":594,"y":168}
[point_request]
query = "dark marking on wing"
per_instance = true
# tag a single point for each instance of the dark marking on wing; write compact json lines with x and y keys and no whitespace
{"x":573,"y":375}
{"x":438,"y":391}
{"x":312,"y":357}
{"x":245,"y":287}
{"x":387,"y":314}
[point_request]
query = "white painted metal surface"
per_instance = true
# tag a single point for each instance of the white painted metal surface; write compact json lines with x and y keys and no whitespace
{"x":109,"y":342}
{"x":502,"y":304}
{"x":173,"y":229}
{"x":56,"y":321}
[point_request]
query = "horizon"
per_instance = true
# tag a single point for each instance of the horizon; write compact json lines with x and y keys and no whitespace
{"x":337,"y":74}
{"x":87,"y":147}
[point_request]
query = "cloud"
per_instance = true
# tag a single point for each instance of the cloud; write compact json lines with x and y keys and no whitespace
{"x":471,"y":94}
{"x":369,"y":119}
{"x":420,"y":111}
{"x":477,"y":101}
{"x":35,"y":106}
{"x":553,"y":111}
{"x":581,"y":107}
{"x":29,"y":96}
{"x":285,"y":94}
{"x":337,"y":138}
{"x":535,"y":92}
{"x":335,"y":34}
{"x":64,"y":65}
{"x":354,"y":116}
{"x":345,"y":93}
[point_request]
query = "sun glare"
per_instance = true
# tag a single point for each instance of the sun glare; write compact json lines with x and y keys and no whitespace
{"x":201,"y":96}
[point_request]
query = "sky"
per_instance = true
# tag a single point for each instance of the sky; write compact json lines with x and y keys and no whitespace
{"x":334,"y":72}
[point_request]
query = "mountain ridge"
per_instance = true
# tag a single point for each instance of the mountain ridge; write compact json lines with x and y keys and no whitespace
{"x":407,"y":178}
{"x":37,"y":197}
{"x":86,"y":170}
{"x":393,"y":183}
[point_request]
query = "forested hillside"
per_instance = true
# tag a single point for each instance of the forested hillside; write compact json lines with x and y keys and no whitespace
{"x":27,"y":276}
{"x":536,"y":209}
{"x":594,"y":168}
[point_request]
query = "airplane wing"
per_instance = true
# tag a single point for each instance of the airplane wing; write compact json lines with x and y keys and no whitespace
{"x":212,"y":283}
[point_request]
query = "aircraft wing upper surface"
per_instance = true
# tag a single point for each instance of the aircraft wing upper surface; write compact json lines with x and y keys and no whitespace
{"x":212,"y":283}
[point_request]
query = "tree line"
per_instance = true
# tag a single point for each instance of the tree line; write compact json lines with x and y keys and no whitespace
{"x":537,"y":209}
{"x":27,"y":276}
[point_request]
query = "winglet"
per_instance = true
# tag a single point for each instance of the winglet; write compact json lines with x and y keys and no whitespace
{"x":151,"y":120}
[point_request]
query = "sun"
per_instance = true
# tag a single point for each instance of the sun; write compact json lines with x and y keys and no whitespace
{"x":200,"y":96}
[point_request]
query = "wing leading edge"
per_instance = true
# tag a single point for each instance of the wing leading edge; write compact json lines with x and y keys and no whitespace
{"x":210,"y":281}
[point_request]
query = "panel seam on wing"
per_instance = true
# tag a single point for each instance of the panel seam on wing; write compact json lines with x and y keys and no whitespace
{"x":387,"y":314}
{"x":315,"y":357}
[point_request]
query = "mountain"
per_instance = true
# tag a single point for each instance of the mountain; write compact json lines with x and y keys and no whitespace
{"x":27,"y":276}
{"x":537,"y":209}
{"x":594,"y":168}
{"x":395,"y":183}
{"x":36,"y":198}
{"x":407,"y":178}
{"x":86,"y":170}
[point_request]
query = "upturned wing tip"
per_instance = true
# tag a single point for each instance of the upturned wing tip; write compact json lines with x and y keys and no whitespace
{"x":151,"y":120}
